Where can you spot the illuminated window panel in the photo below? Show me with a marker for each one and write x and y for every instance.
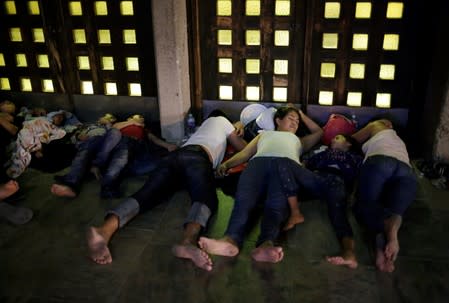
(252, 37)
(252, 66)
(363, 10)
(101, 8)
(75, 8)
(87, 88)
(332, 10)
(224, 37)
(327, 70)
(383, 100)
(225, 65)
(225, 92)
(4, 84)
(132, 63)
(42, 61)
(280, 94)
(83, 63)
(360, 41)
(107, 63)
(252, 93)
(47, 86)
(38, 35)
(10, 7)
(357, 71)
(354, 99)
(2, 60)
(253, 7)
(21, 60)
(79, 36)
(281, 38)
(104, 36)
(391, 42)
(110, 88)
(134, 89)
(325, 97)
(281, 67)
(386, 71)
(126, 8)
(282, 8)
(15, 34)
(394, 10)
(25, 85)
(129, 36)
(33, 8)
(330, 41)
(224, 8)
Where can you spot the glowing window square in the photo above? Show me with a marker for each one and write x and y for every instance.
(253, 7)
(354, 99)
(110, 88)
(134, 89)
(360, 41)
(129, 36)
(104, 36)
(383, 100)
(327, 70)
(25, 85)
(2, 60)
(357, 71)
(126, 8)
(224, 8)
(332, 10)
(281, 67)
(42, 61)
(252, 37)
(79, 36)
(21, 60)
(75, 8)
(280, 94)
(224, 37)
(363, 10)
(101, 8)
(15, 34)
(4, 84)
(282, 8)
(252, 66)
(252, 93)
(281, 37)
(325, 97)
(83, 63)
(330, 41)
(10, 7)
(225, 92)
(225, 65)
(87, 88)
(132, 63)
(386, 71)
(47, 86)
(395, 10)
(38, 35)
(391, 42)
(107, 63)
(33, 8)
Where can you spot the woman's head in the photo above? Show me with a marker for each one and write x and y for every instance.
(345, 143)
(138, 118)
(287, 118)
(7, 107)
(107, 119)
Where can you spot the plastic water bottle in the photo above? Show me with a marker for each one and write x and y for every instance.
(190, 125)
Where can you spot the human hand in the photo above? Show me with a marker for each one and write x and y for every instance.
(171, 147)
(221, 170)
(239, 129)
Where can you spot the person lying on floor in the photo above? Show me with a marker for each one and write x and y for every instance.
(191, 166)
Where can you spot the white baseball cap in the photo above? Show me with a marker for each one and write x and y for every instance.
(265, 119)
(251, 112)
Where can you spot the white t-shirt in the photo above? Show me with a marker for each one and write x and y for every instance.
(212, 135)
(386, 143)
(280, 144)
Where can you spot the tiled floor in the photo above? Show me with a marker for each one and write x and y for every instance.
(45, 260)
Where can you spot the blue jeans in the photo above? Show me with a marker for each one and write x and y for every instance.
(386, 187)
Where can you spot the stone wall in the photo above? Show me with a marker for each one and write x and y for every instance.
(441, 146)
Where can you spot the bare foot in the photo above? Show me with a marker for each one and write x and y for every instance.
(346, 260)
(272, 254)
(98, 247)
(293, 220)
(392, 225)
(8, 189)
(221, 247)
(62, 191)
(199, 257)
(382, 263)
(97, 173)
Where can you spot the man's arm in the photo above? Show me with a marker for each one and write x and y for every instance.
(241, 157)
(8, 126)
(161, 143)
(316, 132)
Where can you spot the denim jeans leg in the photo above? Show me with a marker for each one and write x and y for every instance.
(109, 141)
(78, 169)
(119, 159)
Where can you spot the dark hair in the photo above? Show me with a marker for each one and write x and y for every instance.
(283, 111)
(355, 145)
(218, 113)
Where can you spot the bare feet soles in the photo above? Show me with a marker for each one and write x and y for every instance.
(62, 191)
(345, 260)
(293, 220)
(384, 262)
(220, 247)
(199, 257)
(271, 254)
(7, 189)
(97, 246)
